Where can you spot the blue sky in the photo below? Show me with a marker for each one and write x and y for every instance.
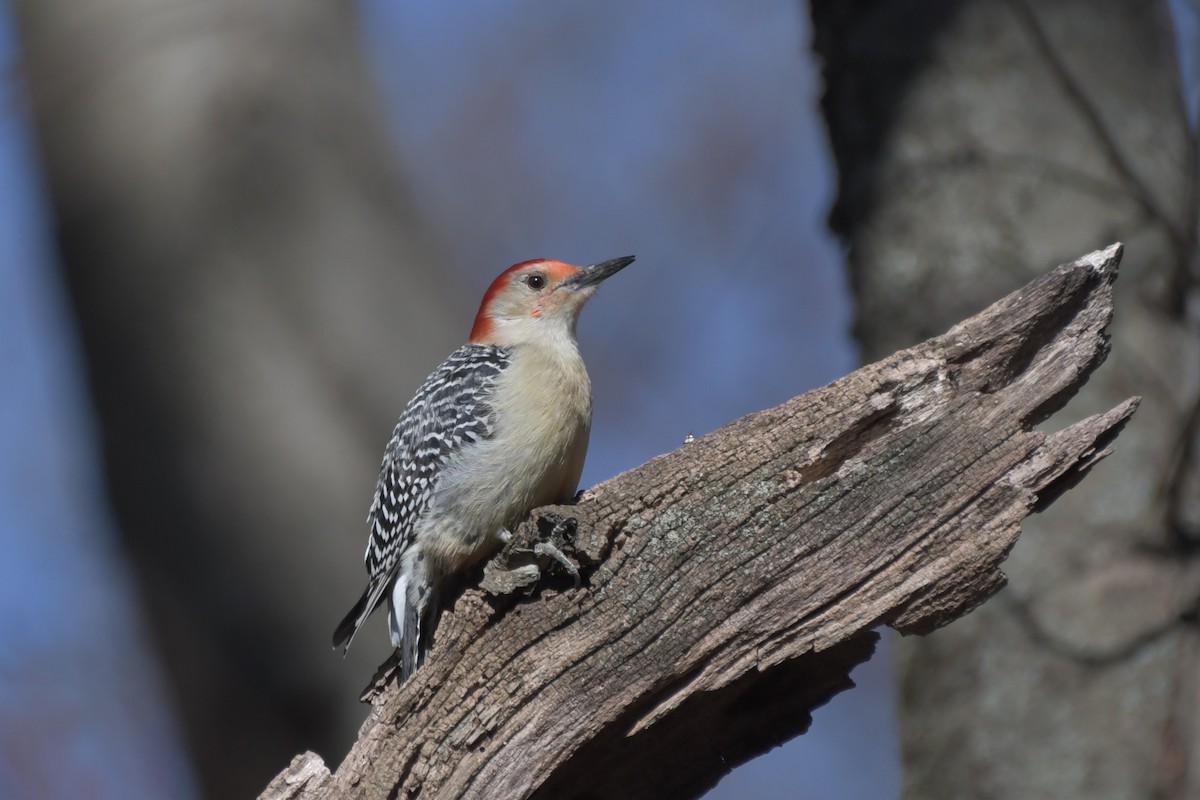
(684, 132)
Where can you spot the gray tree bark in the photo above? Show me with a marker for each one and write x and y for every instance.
(241, 260)
(730, 586)
(975, 138)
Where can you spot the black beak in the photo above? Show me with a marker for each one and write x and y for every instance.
(590, 276)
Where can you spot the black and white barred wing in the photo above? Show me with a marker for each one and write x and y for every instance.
(449, 412)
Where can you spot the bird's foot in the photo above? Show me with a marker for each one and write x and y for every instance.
(563, 531)
(549, 549)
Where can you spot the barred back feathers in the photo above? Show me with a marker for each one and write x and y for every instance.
(450, 412)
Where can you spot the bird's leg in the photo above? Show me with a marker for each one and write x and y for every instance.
(512, 570)
(548, 549)
(564, 530)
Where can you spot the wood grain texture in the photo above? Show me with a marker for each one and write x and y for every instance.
(730, 586)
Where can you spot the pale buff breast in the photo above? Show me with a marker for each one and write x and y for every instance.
(534, 458)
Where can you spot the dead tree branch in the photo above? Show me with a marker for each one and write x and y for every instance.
(731, 585)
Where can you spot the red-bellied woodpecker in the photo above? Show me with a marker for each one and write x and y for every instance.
(500, 428)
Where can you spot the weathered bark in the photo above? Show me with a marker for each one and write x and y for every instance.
(992, 136)
(732, 584)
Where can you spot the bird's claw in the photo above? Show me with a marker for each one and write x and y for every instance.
(564, 531)
(549, 549)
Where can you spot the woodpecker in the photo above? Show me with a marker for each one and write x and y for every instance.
(500, 428)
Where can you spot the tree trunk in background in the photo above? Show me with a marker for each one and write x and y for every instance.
(974, 138)
(230, 225)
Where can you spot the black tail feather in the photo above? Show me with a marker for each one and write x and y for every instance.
(349, 626)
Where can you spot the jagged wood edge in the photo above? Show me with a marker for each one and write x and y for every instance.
(733, 583)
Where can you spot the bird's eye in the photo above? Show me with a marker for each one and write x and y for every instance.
(535, 281)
